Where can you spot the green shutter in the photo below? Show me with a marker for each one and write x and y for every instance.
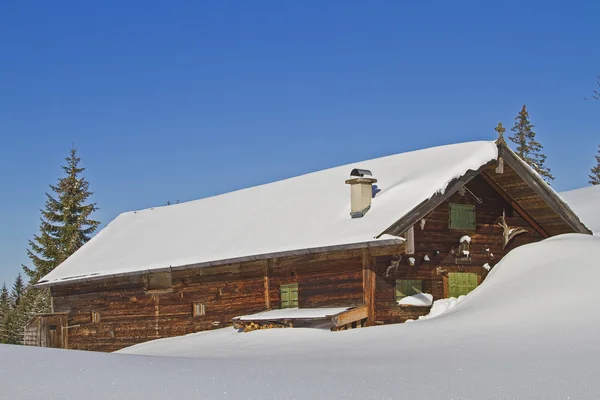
(289, 295)
(461, 283)
(462, 216)
(407, 287)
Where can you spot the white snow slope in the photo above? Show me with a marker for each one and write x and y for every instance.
(305, 212)
(527, 333)
(586, 203)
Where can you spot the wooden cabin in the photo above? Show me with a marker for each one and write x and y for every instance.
(355, 240)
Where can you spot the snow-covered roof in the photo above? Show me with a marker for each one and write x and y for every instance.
(310, 211)
(586, 203)
(294, 313)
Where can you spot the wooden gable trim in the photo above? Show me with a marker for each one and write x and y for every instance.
(541, 189)
(515, 205)
(426, 206)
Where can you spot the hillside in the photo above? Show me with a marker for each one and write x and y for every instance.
(586, 203)
(531, 331)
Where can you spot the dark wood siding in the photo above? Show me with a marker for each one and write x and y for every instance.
(131, 313)
(437, 236)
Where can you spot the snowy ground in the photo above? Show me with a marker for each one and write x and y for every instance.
(531, 331)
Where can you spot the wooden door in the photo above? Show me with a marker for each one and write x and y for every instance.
(461, 283)
(48, 330)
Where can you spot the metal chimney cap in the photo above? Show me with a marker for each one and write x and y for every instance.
(360, 172)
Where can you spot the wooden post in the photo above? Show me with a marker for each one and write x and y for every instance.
(446, 286)
(410, 240)
(267, 282)
(369, 284)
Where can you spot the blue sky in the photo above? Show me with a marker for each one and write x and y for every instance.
(183, 100)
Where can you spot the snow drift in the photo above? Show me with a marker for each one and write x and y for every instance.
(531, 331)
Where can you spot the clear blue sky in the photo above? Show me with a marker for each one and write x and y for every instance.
(182, 100)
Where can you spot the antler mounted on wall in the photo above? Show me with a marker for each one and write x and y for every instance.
(509, 233)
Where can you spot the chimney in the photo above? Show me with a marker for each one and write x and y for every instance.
(361, 191)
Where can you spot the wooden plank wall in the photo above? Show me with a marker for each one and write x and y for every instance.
(437, 236)
(131, 314)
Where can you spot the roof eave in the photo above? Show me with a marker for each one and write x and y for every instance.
(265, 256)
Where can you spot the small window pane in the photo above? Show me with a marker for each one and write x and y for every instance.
(462, 216)
(408, 287)
(289, 295)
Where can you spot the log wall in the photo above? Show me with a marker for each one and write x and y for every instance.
(130, 313)
(436, 236)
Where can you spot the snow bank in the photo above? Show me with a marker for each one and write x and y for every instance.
(586, 203)
(441, 306)
(419, 299)
(515, 337)
(308, 212)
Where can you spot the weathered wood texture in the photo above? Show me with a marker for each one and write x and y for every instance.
(131, 313)
(522, 191)
(436, 236)
(47, 330)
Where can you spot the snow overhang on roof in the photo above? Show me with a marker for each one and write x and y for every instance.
(284, 220)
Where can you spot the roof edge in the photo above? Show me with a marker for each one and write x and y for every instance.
(225, 261)
(542, 188)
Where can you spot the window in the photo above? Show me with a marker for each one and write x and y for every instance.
(289, 295)
(198, 309)
(408, 287)
(462, 216)
(460, 283)
(95, 316)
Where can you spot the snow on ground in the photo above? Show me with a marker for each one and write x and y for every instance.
(526, 333)
(586, 203)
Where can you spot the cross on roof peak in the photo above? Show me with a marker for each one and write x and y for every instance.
(500, 129)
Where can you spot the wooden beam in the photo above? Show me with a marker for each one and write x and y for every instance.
(347, 317)
(543, 190)
(409, 245)
(267, 283)
(369, 284)
(515, 205)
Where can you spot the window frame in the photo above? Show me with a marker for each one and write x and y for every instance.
(198, 309)
(94, 317)
(465, 277)
(462, 223)
(291, 300)
(409, 282)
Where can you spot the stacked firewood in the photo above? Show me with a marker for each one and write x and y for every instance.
(253, 326)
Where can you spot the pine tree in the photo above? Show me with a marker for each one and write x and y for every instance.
(5, 309)
(17, 290)
(595, 175)
(65, 222)
(33, 302)
(529, 149)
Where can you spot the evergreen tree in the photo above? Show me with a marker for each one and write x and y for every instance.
(33, 302)
(529, 149)
(5, 310)
(65, 222)
(595, 175)
(17, 290)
